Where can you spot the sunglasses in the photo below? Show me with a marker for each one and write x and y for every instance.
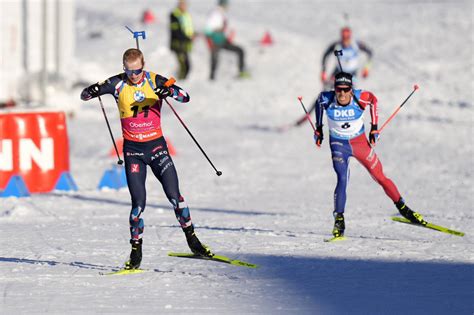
(135, 72)
(346, 89)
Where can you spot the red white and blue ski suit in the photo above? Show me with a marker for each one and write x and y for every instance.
(347, 138)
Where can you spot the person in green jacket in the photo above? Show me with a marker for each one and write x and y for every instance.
(181, 39)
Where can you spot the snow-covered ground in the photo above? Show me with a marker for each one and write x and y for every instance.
(272, 205)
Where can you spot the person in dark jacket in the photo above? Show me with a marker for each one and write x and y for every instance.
(181, 39)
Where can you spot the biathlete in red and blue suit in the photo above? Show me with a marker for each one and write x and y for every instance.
(344, 110)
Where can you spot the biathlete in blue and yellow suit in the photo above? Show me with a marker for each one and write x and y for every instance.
(344, 109)
(139, 95)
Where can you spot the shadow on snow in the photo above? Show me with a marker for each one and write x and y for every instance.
(314, 285)
(149, 204)
(77, 264)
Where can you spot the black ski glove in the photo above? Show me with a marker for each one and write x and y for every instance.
(92, 91)
(318, 135)
(374, 134)
(163, 92)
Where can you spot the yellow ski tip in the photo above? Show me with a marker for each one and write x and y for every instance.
(335, 239)
(124, 272)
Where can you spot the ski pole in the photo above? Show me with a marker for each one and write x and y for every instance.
(308, 117)
(120, 161)
(300, 98)
(338, 53)
(168, 83)
(415, 87)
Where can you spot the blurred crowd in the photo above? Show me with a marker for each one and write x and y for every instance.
(216, 33)
(219, 38)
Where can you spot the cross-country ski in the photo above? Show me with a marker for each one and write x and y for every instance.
(218, 258)
(430, 226)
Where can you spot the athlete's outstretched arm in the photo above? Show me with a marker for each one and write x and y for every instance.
(100, 88)
(319, 109)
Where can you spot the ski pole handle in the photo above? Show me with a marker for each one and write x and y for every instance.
(170, 82)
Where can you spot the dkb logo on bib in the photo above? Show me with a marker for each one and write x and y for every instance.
(344, 113)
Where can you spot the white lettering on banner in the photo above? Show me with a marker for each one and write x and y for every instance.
(344, 113)
(44, 157)
(6, 155)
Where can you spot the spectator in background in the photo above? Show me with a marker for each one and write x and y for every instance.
(350, 59)
(181, 39)
(217, 40)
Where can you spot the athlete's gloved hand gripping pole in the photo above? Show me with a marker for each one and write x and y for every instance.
(91, 92)
(120, 161)
(164, 93)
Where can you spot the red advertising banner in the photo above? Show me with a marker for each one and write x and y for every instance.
(35, 146)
